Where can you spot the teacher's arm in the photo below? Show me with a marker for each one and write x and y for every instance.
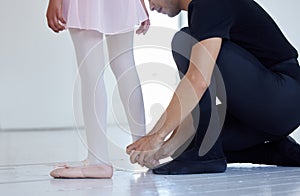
(185, 98)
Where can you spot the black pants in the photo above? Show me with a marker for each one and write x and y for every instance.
(261, 103)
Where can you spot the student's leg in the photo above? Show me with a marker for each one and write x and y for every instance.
(120, 49)
(90, 59)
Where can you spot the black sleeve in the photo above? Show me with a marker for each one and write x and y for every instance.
(209, 19)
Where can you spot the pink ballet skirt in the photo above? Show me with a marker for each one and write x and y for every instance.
(105, 16)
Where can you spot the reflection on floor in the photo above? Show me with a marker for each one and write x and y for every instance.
(23, 172)
(239, 179)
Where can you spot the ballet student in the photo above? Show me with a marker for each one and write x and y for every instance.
(89, 22)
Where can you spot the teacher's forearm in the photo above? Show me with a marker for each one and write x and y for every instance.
(186, 97)
(192, 86)
(183, 133)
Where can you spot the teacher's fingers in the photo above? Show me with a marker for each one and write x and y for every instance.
(130, 148)
(140, 159)
(134, 155)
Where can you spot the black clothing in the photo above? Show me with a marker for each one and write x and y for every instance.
(243, 22)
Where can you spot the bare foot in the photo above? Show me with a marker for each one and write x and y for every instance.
(88, 171)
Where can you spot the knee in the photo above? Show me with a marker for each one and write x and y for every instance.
(182, 44)
(180, 41)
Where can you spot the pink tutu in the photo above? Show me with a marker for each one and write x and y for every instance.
(105, 16)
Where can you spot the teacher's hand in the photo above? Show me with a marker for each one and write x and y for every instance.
(143, 150)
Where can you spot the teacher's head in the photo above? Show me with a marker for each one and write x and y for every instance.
(169, 7)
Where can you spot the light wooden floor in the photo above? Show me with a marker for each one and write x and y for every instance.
(27, 157)
(240, 179)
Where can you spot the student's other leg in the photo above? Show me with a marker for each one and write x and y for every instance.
(120, 47)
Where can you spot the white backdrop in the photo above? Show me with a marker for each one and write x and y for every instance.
(37, 72)
(37, 67)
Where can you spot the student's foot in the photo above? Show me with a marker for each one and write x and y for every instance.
(88, 171)
(85, 162)
(190, 163)
(285, 152)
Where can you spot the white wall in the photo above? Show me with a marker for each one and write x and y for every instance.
(37, 67)
(37, 72)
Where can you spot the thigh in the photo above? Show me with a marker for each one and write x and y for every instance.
(89, 50)
(182, 44)
(120, 51)
(257, 96)
(85, 42)
(238, 136)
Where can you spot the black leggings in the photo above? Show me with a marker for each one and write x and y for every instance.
(262, 103)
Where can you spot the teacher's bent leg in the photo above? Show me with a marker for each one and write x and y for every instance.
(204, 154)
(262, 108)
